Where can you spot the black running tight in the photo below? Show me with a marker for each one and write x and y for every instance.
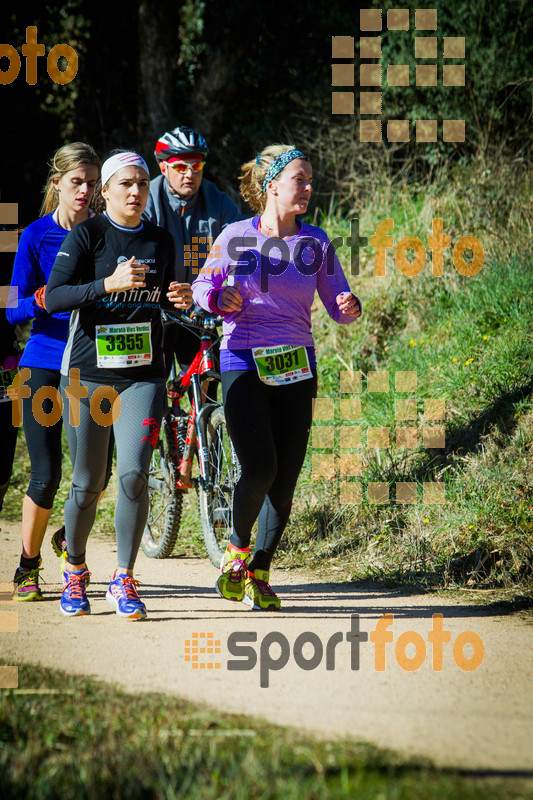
(269, 427)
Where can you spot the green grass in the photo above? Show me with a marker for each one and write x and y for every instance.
(470, 342)
(92, 741)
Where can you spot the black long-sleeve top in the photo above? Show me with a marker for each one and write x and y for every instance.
(119, 320)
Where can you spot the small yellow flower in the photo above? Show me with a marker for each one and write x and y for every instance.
(485, 336)
(425, 520)
(470, 527)
(412, 342)
(504, 319)
(454, 359)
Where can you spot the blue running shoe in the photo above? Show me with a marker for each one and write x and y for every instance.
(122, 594)
(74, 601)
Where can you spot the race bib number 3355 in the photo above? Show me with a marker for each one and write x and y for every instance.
(120, 346)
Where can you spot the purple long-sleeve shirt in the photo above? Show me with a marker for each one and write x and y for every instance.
(277, 292)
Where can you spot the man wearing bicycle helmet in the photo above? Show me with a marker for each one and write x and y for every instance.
(191, 209)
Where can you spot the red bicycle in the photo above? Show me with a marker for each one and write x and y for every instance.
(198, 435)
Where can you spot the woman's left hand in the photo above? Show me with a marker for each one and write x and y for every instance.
(180, 294)
(349, 304)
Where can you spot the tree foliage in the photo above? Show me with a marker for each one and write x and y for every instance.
(245, 77)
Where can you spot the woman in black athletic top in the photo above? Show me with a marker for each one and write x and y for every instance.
(115, 272)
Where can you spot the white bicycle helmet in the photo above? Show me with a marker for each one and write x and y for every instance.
(179, 141)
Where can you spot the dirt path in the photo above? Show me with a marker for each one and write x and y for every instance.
(479, 719)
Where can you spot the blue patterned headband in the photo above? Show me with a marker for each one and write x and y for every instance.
(279, 163)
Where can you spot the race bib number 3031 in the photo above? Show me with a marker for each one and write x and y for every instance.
(277, 366)
(120, 346)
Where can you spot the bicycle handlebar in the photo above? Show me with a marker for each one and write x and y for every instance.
(193, 318)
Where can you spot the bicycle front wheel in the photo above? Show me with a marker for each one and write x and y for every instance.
(164, 505)
(216, 491)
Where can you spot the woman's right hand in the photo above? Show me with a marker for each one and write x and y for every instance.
(230, 299)
(128, 275)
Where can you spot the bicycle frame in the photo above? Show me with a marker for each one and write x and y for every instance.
(200, 430)
(200, 372)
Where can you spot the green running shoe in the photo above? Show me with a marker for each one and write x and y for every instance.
(27, 584)
(233, 572)
(258, 593)
(59, 543)
(59, 546)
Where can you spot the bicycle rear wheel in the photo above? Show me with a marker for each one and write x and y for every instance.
(164, 505)
(216, 493)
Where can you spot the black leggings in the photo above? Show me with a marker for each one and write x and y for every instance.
(269, 427)
(7, 451)
(44, 443)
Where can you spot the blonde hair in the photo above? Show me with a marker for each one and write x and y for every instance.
(253, 174)
(64, 160)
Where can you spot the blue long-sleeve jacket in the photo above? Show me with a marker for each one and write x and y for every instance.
(37, 250)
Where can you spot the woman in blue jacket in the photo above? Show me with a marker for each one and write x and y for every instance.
(74, 172)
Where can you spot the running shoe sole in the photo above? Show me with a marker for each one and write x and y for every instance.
(247, 600)
(224, 597)
(136, 615)
(59, 551)
(25, 598)
(78, 613)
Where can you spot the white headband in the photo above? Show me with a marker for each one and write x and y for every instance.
(119, 160)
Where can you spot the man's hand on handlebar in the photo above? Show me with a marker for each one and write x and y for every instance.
(180, 294)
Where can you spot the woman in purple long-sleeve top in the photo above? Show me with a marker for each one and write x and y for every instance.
(262, 277)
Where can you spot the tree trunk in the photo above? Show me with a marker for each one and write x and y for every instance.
(158, 25)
